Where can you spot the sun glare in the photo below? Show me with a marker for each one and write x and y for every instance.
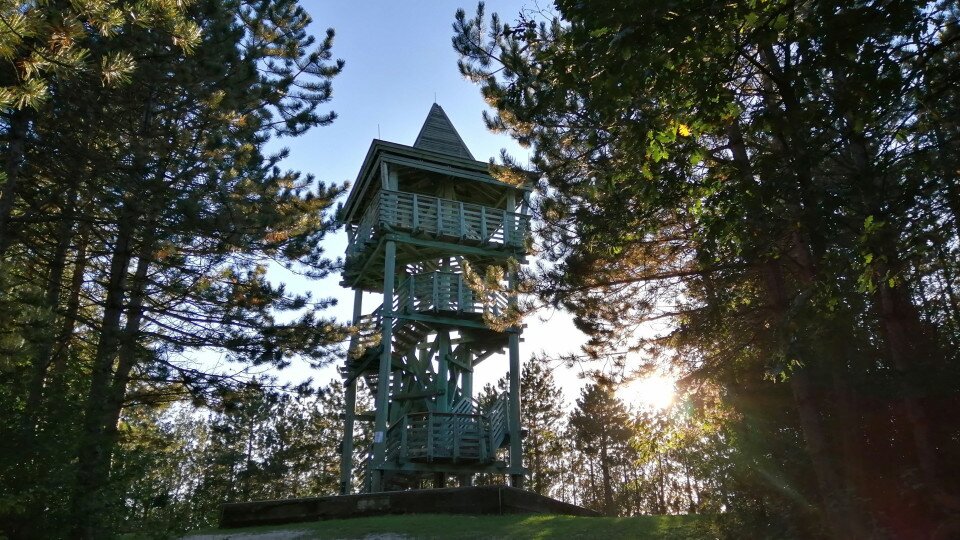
(652, 392)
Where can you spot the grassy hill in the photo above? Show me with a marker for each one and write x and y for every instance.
(452, 526)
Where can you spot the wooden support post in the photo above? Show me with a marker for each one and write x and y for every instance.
(456, 437)
(443, 400)
(386, 356)
(397, 388)
(508, 219)
(430, 429)
(467, 377)
(507, 225)
(346, 457)
(411, 291)
(516, 445)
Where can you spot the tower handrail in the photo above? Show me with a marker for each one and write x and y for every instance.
(441, 218)
(366, 228)
(443, 290)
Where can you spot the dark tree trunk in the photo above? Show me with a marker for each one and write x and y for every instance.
(835, 505)
(94, 453)
(607, 481)
(72, 310)
(54, 287)
(16, 151)
(130, 344)
(909, 349)
(840, 519)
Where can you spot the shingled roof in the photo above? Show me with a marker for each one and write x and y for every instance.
(439, 135)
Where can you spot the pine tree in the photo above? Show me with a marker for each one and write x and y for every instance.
(601, 429)
(755, 176)
(541, 418)
(151, 214)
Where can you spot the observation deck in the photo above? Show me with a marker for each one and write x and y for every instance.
(432, 224)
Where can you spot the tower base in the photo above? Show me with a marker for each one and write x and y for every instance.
(489, 500)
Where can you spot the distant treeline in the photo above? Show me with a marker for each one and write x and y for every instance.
(181, 463)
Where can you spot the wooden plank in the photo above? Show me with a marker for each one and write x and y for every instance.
(418, 394)
(416, 213)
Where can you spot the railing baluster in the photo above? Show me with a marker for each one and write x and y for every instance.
(439, 217)
(456, 437)
(506, 229)
(405, 210)
(430, 451)
(416, 213)
(483, 224)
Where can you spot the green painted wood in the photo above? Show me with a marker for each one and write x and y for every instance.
(439, 135)
(414, 218)
(382, 404)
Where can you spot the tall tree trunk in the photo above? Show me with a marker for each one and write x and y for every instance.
(93, 455)
(908, 347)
(72, 309)
(54, 287)
(840, 518)
(607, 481)
(130, 343)
(849, 426)
(908, 343)
(16, 152)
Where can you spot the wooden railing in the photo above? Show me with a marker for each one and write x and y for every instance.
(439, 218)
(446, 291)
(498, 417)
(445, 436)
(430, 292)
(366, 474)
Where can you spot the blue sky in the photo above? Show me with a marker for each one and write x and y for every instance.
(398, 58)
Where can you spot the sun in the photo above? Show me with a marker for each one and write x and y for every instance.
(651, 392)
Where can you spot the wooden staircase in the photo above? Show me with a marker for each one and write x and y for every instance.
(463, 435)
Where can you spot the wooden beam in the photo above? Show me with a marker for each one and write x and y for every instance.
(445, 321)
(499, 254)
(386, 354)
(418, 394)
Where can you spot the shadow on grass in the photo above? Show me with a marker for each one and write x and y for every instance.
(462, 527)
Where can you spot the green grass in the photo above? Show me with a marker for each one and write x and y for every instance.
(519, 526)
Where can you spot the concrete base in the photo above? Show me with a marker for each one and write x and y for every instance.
(492, 500)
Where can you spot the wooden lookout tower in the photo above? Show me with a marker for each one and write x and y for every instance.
(415, 216)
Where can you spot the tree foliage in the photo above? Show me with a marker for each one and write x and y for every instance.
(773, 184)
(140, 214)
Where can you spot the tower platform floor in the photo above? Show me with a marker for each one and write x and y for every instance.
(488, 500)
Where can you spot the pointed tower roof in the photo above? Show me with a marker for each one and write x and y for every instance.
(439, 135)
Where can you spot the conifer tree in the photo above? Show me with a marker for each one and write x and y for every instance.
(145, 231)
(542, 419)
(756, 176)
(601, 429)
